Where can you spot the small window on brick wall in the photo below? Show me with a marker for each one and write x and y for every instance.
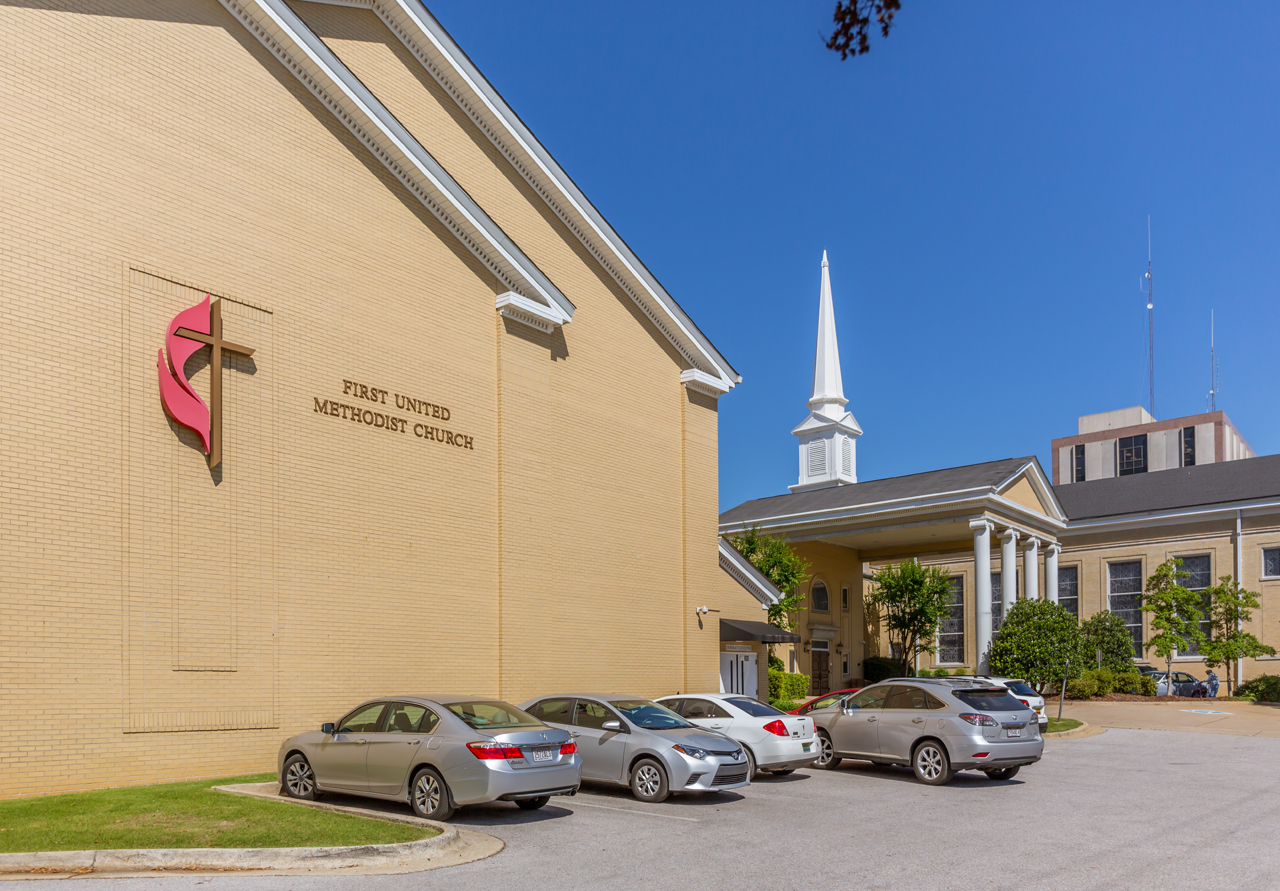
(1271, 562)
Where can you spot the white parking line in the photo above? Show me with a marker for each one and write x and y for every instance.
(627, 810)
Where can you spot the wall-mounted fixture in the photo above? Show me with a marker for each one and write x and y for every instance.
(839, 648)
(703, 610)
(806, 646)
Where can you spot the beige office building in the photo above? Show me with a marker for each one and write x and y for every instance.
(457, 437)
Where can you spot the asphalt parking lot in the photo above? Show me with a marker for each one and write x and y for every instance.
(1140, 809)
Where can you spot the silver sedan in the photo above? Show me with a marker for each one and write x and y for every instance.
(631, 741)
(437, 753)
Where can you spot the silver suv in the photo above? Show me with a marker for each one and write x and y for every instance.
(936, 726)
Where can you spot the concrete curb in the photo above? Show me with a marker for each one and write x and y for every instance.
(1085, 729)
(451, 847)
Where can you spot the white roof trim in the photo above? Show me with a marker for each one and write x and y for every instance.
(528, 312)
(1041, 484)
(746, 575)
(427, 39)
(1189, 514)
(307, 56)
(703, 382)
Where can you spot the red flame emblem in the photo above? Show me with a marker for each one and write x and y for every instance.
(180, 400)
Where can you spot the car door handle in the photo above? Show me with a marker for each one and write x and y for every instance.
(917, 720)
(361, 742)
(574, 735)
(414, 742)
(716, 726)
(872, 718)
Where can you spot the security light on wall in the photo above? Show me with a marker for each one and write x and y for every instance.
(703, 610)
(806, 646)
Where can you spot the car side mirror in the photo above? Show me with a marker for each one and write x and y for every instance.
(847, 710)
(327, 729)
(613, 727)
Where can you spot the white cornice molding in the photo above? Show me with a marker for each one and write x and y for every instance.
(1193, 514)
(521, 309)
(282, 32)
(1040, 483)
(701, 382)
(431, 44)
(746, 575)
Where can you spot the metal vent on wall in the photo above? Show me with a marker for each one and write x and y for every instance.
(846, 457)
(817, 458)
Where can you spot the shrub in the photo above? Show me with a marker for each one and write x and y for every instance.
(1104, 679)
(941, 673)
(1148, 686)
(784, 705)
(783, 685)
(1035, 642)
(1082, 688)
(1128, 682)
(1265, 688)
(877, 668)
(1107, 632)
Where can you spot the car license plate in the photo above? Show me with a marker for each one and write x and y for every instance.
(1014, 731)
(542, 755)
(806, 746)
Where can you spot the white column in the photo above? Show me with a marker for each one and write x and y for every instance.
(1031, 568)
(982, 530)
(1051, 572)
(1008, 568)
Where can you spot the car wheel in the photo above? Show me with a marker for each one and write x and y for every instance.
(827, 758)
(784, 772)
(299, 779)
(931, 764)
(532, 804)
(1002, 773)
(429, 796)
(649, 781)
(751, 763)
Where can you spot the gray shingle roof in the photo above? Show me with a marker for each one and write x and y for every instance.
(934, 482)
(1206, 484)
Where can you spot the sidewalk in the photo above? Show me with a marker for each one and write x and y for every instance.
(1240, 718)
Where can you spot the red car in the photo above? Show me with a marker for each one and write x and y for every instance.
(823, 701)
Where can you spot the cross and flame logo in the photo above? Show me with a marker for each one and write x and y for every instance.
(192, 330)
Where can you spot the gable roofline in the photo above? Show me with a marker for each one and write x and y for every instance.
(423, 35)
(745, 574)
(1040, 483)
(284, 33)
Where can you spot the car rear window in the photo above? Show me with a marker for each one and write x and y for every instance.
(753, 707)
(492, 715)
(996, 699)
(1021, 689)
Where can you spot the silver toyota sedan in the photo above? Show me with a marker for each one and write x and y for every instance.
(631, 741)
(935, 726)
(437, 753)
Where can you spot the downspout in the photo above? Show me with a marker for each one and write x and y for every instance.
(1239, 580)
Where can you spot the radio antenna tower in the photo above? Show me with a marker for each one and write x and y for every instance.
(1213, 369)
(1151, 324)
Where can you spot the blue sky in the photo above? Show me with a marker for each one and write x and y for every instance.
(981, 182)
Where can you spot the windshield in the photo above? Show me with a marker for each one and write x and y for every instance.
(1021, 689)
(649, 715)
(993, 700)
(493, 715)
(753, 707)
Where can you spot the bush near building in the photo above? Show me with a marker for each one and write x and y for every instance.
(1101, 681)
(787, 687)
(877, 668)
(1265, 688)
(1106, 631)
(1036, 639)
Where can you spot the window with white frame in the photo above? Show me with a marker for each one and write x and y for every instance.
(844, 598)
(951, 631)
(794, 662)
(1270, 562)
(1200, 578)
(997, 601)
(819, 599)
(1124, 598)
(1069, 589)
(846, 665)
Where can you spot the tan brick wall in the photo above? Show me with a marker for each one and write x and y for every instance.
(159, 621)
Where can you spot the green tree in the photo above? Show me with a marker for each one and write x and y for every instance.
(1035, 642)
(1175, 614)
(1230, 608)
(1107, 632)
(783, 567)
(912, 600)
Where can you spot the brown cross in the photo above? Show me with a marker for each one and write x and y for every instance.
(219, 346)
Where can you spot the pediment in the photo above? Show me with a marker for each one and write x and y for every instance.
(1029, 489)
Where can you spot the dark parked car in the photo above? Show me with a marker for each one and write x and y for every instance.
(1183, 684)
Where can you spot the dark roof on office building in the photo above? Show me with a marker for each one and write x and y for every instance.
(1207, 484)
(987, 475)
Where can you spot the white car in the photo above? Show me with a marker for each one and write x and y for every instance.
(774, 741)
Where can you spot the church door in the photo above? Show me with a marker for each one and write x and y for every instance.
(819, 669)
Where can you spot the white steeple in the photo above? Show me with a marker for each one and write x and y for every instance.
(828, 436)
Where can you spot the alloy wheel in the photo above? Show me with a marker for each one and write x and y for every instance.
(300, 779)
(825, 751)
(929, 763)
(648, 780)
(426, 794)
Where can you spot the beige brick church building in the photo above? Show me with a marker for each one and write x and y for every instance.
(323, 380)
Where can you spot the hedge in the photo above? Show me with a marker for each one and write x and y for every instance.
(1264, 688)
(783, 685)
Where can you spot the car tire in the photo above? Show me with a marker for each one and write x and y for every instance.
(1003, 773)
(532, 804)
(649, 781)
(429, 796)
(786, 771)
(299, 779)
(827, 758)
(751, 763)
(930, 763)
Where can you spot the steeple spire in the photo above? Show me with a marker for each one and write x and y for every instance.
(828, 390)
(828, 436)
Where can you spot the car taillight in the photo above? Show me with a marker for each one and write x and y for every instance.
(569, 748)
(981, 754)
(980, 720)
(1024, 702)
(777, 728)
(494, 751)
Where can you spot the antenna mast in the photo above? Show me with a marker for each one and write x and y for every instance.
(1213, 369)
(1151, 324)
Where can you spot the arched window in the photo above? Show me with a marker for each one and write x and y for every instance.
(820, 601)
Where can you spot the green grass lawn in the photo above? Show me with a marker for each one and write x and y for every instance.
(1060, 726)
(184, 815)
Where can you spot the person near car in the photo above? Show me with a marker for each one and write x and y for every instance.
(1211, 681)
